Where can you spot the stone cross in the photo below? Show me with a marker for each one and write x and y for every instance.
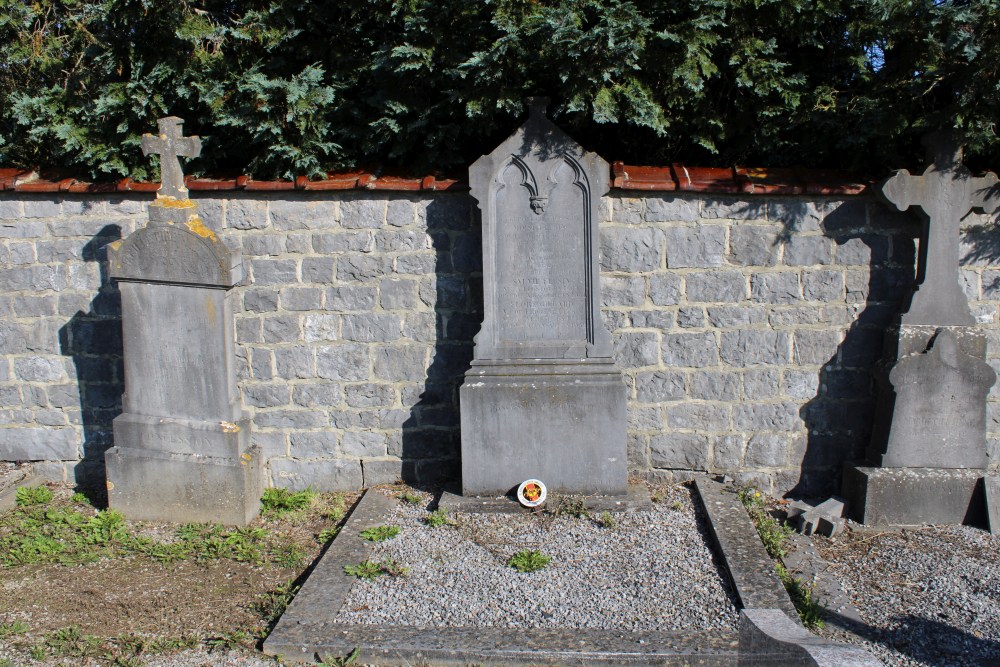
(170, 145)
(944, 194)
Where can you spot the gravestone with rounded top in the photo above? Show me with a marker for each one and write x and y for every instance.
(182, 443)
(543, 398)
(929, 442)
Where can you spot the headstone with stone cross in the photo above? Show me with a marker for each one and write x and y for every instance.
(544, 399)
(929, 443)
(182, 443)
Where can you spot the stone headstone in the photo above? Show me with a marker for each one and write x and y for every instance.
(993, 503)
(182, 443)
(544, 398)
(929, 440)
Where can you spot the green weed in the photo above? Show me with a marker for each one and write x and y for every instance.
(438, 518)
(32, 495)
(326, 535)
(272, 605)
(72, 643)
(5, 662)
(342, 661)
(774, 535)
(410, 498)
(79, 499)
(574, 507)
(38, 652)
(606, 520)
(380, 533)
(230, 641)
(369, 569)
(276, 502)
(529, 560)
(803, 597)
(290, 556)
(17, 627)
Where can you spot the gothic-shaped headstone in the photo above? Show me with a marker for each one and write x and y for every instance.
(543, 398)
(182, 444)
(929, 441)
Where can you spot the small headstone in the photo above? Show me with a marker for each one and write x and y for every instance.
(182, 443)
(930, 432)
(993, 503)
(544, 398)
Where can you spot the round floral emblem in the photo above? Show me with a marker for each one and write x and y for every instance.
(531, 493)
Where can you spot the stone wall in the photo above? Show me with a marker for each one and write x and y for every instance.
(747, 329)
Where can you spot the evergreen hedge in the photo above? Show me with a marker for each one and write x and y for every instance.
(278, 88)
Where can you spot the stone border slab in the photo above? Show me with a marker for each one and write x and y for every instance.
(8, 495)
(769, 634)
(636, 499)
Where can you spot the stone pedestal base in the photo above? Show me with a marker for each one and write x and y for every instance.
(914, 496)
(178, 471)
(561, 423)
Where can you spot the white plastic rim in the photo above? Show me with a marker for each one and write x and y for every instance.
(531, 493)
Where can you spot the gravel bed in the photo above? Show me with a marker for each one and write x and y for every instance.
(927, 596)
(652, 571)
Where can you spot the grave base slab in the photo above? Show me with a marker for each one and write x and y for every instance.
(914, 496)
(182, 486)
(563, 425)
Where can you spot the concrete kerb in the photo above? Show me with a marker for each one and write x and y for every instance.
(8, 494)
(769, 633)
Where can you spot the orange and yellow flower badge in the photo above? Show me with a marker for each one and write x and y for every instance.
(531, 493)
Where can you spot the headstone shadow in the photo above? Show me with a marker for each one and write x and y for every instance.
(839, 418)
(430, 435)
(94, 340)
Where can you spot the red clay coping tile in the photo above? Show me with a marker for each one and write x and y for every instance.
(673, 178)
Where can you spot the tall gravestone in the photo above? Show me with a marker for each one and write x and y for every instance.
(928, 450)
(182, 444)
(543, 398)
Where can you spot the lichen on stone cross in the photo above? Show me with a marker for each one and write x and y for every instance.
(171, 145)
(944, 194)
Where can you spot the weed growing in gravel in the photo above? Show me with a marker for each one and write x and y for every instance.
(606, 520)
(5, 662)
(32, 495)
(410, 498)
(17, 627)
(380, 533)
(38, 653)
(72, 643)
(570, 506)
(231, 640)
(529, 560)
(678, 505)
(326, 535)
(341, 661)
(438, 518)
(369, 569)
(276, 502)
(272, 605)
(80, 499)
(774, 535)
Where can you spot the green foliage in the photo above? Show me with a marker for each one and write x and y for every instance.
(342, 661)
(72, 643)
(32, 495)
(17, 627)
(326, 535)
(277, 502)
(369, 569)
(285, 88)
(803, 597)
(79, 499)
(380, 533)
(438, 518)
(529, 560)
(774, 535)
(574, 507)
(410, 498)
(606, 520)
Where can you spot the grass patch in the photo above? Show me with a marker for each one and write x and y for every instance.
(369, 569)
(606, 520)
(380, 533)
(574, 507)
(529, 560)
(26, 496)
(17, 627)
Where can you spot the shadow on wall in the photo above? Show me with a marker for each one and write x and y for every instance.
(840, 417)
(430, 435)
(94, 340)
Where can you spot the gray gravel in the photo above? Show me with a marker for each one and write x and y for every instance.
(928, 596)
(653, 571)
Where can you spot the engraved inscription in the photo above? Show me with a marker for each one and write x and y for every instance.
(165, 253)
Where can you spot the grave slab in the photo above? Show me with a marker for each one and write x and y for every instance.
(544, 398)
(182, 447)
(914, 496)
